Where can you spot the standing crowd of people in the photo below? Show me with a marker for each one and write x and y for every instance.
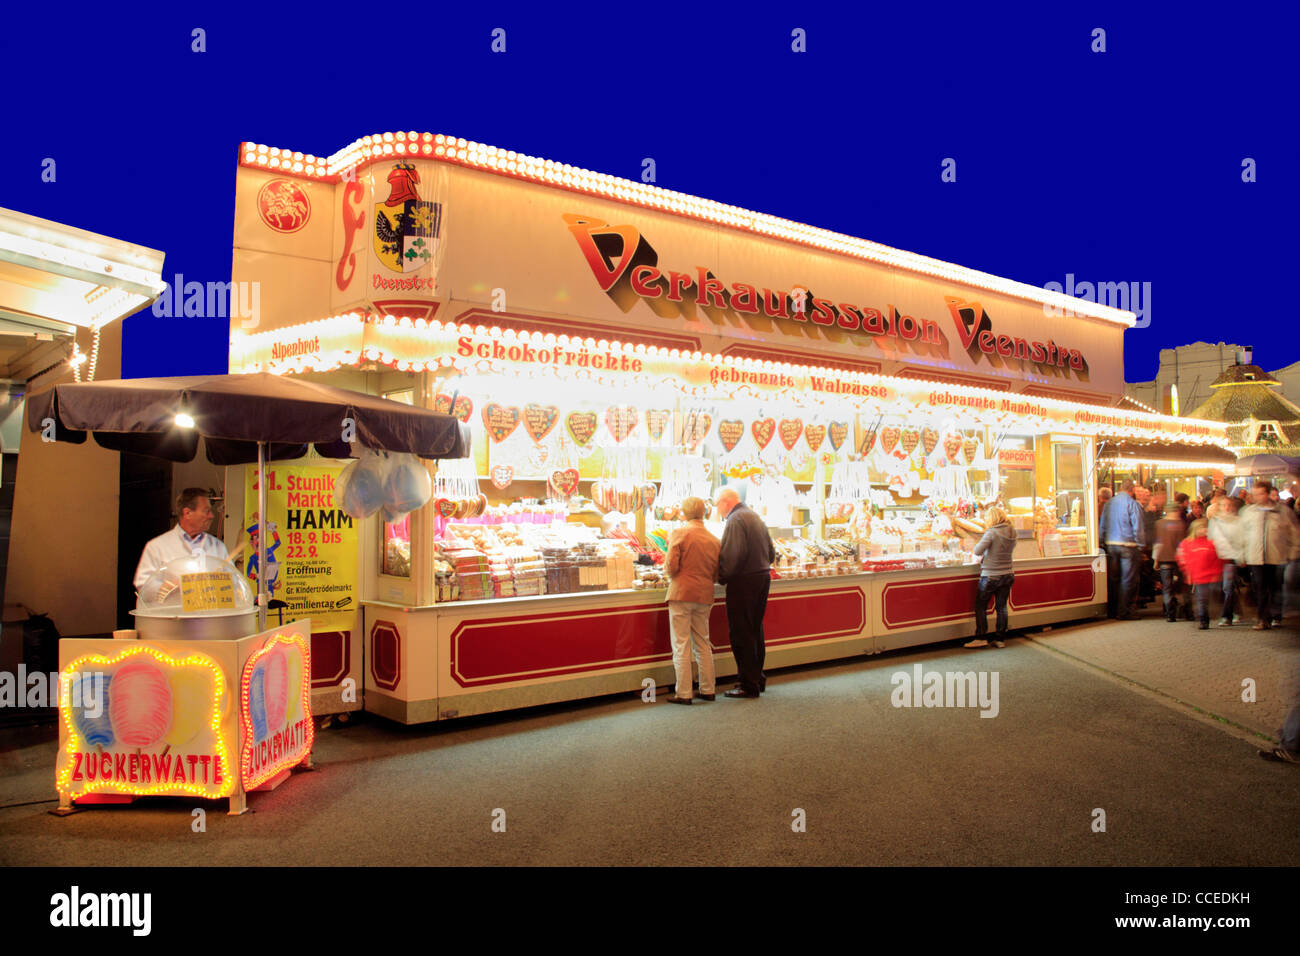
(1197, 547)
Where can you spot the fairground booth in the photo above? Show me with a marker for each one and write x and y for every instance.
(614, 347)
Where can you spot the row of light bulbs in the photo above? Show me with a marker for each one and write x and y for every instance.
(550, 339)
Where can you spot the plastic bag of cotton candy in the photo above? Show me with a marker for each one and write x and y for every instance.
(383, 483)
(359, 488)
(407, 486)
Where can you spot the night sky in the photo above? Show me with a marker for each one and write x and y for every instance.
(1123, 166)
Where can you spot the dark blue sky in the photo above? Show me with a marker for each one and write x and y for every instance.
(1122, 166)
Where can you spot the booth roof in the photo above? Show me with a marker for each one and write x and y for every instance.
(548, 173)
(1157, 452)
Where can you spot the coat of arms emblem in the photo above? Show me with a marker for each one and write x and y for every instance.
(407, 228)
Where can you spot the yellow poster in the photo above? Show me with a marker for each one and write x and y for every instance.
(312, 544)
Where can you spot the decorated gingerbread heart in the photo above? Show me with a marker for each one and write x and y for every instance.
(462, 409)
(621, 419)
(655, 421)
(952, 446)
(889, 438)
(763, 430)
(502, 475)
(581, 426)
(540, 419)
(648, 494)
(838, 431)
(909, 439)
(815, 435)
(790, 430)
(969, 450)
(446, 507)
(730, 431)
(500, 420)
(868, 442)
(929, 439)
(564, 481)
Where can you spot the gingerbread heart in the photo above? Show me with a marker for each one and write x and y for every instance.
(502, 475)
(500, 420)
(929, 439)
(730, 431)
(699, 429)
(763, 431)
(815, 434)
(655, 420)
(910, 438)
(446, 507)
(581, 425)
(790, 430)
(838, 431)
(889, 438)
(462, 409)
(621, 419)
(648, 495)
(564, 481)
(952, 445)
(540, 419)
(969, 449)
(868, 442)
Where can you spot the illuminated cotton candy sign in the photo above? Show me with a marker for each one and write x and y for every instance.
(155, 728)
(275, 702)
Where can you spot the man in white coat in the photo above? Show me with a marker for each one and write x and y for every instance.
(1270, 540)
(190, 536)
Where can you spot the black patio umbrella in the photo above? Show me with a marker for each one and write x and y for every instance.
(242, 419)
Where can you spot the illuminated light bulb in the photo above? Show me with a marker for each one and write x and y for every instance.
(184, 420)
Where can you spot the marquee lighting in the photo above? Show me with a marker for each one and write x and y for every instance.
(97, 662)
(487, 158)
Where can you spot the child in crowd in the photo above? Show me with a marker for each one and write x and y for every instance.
(1202, 568)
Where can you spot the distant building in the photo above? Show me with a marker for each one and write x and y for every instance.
(1193, 368)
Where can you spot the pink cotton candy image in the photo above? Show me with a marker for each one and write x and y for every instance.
(141, 705)
(277, 689)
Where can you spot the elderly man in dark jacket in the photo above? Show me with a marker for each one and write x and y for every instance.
(745, 567)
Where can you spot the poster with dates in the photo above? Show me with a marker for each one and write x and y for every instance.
(312, 544)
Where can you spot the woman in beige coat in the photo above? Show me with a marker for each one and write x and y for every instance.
(692, 567)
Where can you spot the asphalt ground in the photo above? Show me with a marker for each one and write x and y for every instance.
(618, 781)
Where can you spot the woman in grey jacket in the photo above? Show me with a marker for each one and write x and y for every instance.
(995, 548)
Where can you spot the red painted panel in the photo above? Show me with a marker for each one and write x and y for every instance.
(938, 600)
(385, 655)
(928, 601)
(497, 650)
(331, 657)
(1052, 587)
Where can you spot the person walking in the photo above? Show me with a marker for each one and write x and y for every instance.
(1123, 532)
(1225, 533)
(1170, 532)
(1270, 540)
(692, 567)
(745, 567)
(994, 549)
(1201, 566)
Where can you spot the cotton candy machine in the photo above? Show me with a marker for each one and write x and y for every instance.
(198, 597)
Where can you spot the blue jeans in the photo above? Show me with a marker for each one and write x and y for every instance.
(1202, 595)
(998, 588)
(1171, 583)
(1290, 732)
(1122, 567)
(1229, 590)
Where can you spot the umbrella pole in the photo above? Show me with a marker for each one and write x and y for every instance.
(261, 536)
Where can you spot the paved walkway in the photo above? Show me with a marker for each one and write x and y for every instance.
(1211, 671)
(616, 781)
